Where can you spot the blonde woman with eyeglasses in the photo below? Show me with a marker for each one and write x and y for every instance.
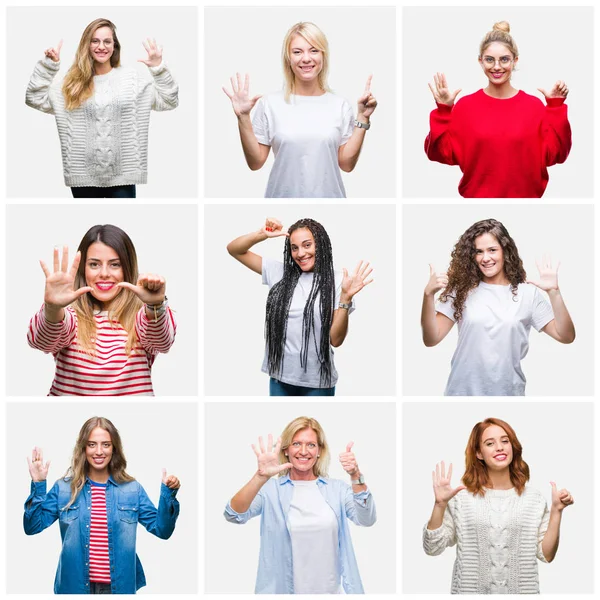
(102, 111)
(313, 132)
(502, 139)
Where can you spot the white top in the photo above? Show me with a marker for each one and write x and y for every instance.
(314, 531)
(493, 338)
(305, 136)
(498, 538)
(292, 372)
(104, 142)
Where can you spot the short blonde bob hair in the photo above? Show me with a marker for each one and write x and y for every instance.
(316, 38)
(321, 467)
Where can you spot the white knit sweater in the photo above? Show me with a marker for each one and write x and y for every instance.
(104, 142)
(498, 538)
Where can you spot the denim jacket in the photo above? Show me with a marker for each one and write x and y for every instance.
(127, 504)
(275, 566)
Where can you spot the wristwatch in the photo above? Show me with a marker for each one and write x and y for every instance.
(361, 125)
(359, 481)
(344, 305)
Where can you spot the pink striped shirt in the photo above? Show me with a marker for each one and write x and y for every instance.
(99, 561)
(110, 371)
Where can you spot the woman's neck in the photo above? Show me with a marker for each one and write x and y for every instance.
(302, 475)
(498, 279)
(307, 88)
(503, 91)
(102, 68)
(500, 480)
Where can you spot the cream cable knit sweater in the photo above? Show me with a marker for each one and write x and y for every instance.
(498, 538)
(104, 142)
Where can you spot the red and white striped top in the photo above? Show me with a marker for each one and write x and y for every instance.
(99, 561)
(110, 372)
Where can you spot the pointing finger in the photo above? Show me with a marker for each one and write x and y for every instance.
(349, 446)
(368, 86)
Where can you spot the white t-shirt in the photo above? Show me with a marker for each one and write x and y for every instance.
(493, 338)
(315, 544)
(305, 136)
(292, 372)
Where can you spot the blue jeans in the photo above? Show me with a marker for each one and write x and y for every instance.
(99, 588)
(115, 191)
(278, 388)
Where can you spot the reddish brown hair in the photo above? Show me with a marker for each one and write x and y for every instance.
(476, 476)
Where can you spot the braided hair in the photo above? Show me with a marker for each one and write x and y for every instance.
(280, 299)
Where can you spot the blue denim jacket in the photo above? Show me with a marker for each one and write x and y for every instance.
(127, 504)
(275, 571)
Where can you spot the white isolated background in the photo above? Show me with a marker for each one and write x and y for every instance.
(249, 40)
(235, 297)
(168, 247)
(557, 440)
(34, 160)
(554, 43)
(154, 435)
(233, 549)
(565, 232)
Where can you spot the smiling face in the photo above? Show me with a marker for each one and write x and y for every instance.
(303, 249)
(303, 453)
(306, 60)
(98, 453)
(102, 45)
(498, 63)
(495, 448)
(103, 270)
(489, 257)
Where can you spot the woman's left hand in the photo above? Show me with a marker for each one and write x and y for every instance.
(352, 284)
(154, 53)
(348, 460)
(170, 480)
(560, 90)
(367, 102)
(548, 275)
(560, 498)
(150, 288)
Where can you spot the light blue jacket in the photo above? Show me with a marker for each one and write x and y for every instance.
(127, 504)
(275, 572)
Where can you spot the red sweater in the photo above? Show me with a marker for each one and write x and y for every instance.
(502, 146)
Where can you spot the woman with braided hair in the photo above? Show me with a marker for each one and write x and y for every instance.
(307, 307)
(486, 291)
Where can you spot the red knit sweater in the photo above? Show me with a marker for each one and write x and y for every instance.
(502, 146)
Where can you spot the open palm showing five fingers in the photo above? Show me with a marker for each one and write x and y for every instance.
(352, 284)
(548, 279)
(154, 53)
(240, 98)
(268, 458)
(59, 291)
(442, 488)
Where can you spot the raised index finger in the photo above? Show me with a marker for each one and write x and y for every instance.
(59, 46)
(368, 86)
(349, 446)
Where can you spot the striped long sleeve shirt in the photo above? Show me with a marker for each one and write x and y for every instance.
(110, 371)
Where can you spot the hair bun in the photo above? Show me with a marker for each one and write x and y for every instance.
(501, 26)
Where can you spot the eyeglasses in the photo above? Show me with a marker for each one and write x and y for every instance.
(107, 43)
(503, 61)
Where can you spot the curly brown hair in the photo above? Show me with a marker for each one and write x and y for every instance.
(464, 274)
(476, 476)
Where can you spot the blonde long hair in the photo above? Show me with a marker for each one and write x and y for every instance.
(316, 38)
(125, 306)
(78, 471)
(321, 467)
(78, 84)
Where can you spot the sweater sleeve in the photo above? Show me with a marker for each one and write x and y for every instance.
(542, 532)
(556, 132)
(435, 541)
(156, 336)
(165, 91)
(38, 91)
(438, 144)
(52, 337)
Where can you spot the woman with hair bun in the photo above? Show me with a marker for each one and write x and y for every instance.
(313, 132)
(307, 307)
(102, 111)
(486, 291)
(98, 505)
(502, 139)
(305, 545)
(103, 322)
(500, 525)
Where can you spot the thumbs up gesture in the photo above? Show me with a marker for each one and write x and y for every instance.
(560, 498)
(348, 460)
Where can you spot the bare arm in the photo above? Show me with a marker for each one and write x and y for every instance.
(560, 500)
(243, 499)
(435, 326)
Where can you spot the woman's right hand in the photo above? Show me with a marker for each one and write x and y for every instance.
(37, 469)
(59, 290)
(54, 53)
(441, 92)
(268, 458)
(273, 228)
(442, 489)
(437, 282)
(240, 96)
